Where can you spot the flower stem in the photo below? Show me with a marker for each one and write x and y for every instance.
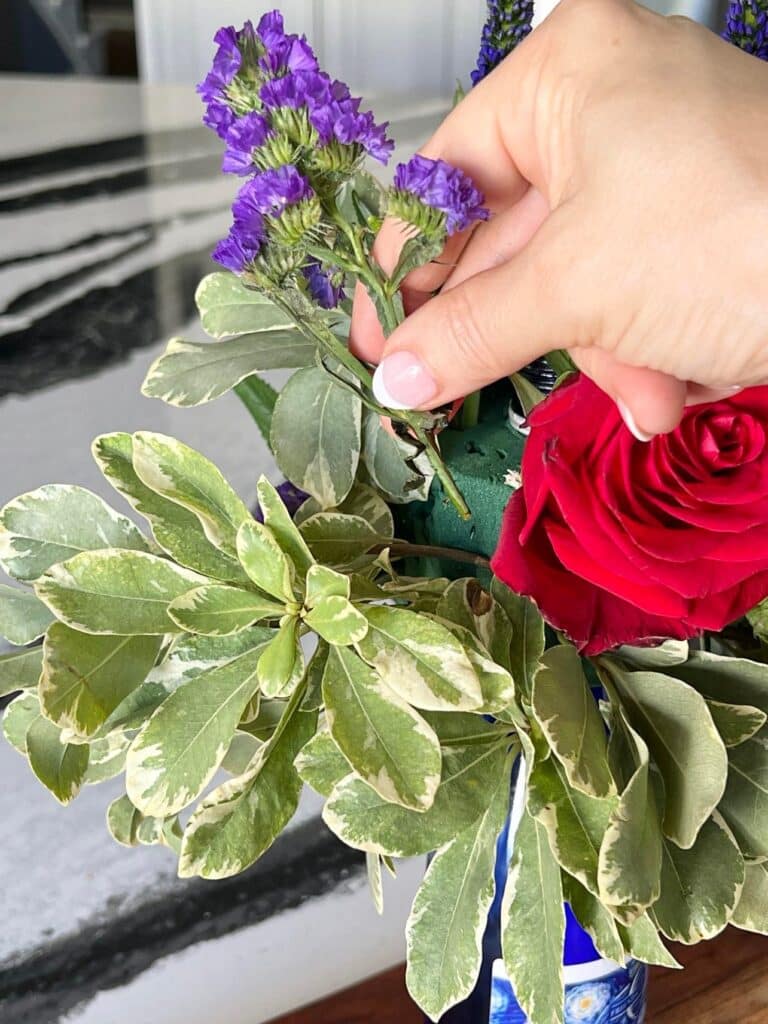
(404, 549)
(470, 410)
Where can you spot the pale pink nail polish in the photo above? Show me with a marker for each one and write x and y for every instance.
(631, 423)
(402, 381)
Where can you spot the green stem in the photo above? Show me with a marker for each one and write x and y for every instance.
(404, 549)
(470, 410)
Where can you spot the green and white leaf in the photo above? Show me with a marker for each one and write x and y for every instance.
(676, 723)
(533, 925)
(23, 616)
(61, 767)
(241, 819)
(85, 677)
(361, 819)
(751, 913)
(729, 680)
(321, 764)
(176, 754)
(388, 744)
(745, 802)
(421, 660)
(393, 466)
(594, 919)
(337, 539)
(700, 886)
(227, 307)
(375, 881)
(527, 642)
(469, 605)
(642, 941)
(263, 559)
(220, 610)
(736, 723)
(118, 592)
(282, 666)
(278, 521)
(107, 756)
(182, 475)
(316, 435)
(445, 929)
(18, 717)
(56, 522)
(362, 501)
(567, 712)
(337, 621)
(191, 373)
(20, 670)
(189, 655)
(177, 530)
(323, 582)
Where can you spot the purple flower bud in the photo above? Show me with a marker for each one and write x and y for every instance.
(747, 26)
(271, 28)
(270, 192)
(507, 24)
(245, 135)
(290, 53)
(444, 188)
(238, 249)
(299, 89)
(219, 117)
(321, 286)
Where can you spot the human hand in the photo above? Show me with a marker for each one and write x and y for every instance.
(625, 159)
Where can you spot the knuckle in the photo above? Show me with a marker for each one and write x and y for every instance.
(469, 344)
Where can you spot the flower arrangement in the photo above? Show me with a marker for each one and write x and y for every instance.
(291, 646)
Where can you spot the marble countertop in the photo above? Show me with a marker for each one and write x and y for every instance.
(111, 199)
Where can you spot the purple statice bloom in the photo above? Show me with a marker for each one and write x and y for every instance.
(271, 28)
(321, 286)
(292, 497)
(219, 117)
(507, 24)
(443, 187)
(312, 89)
(239, 248)
(290, 53)
(245, 135)
(747, 26)
(226, 64)
(270, 192)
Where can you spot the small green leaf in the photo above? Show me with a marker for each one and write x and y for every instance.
(362, 501)
(751, 913)
(278, 521)
(120, 592)
(18, 717)
(23, 616)
(567, 713)
(259, 398)
(61, 767)
(533, 925)
(700, 886)
(337, 621)
(361, 819)
(313, 699)
(393, 465)
(496, 684)
(642, 941)
(387, 743)
(745, 802)
(675, 722)
(263, 559)
(182, 475)
(316, 435)
(323, 582)
(420, 660)
(20, 670)
(468, 604)
(527, 642)
(107, 757)
(242, 750)
(321, 764)
(576, 823)
(450, 912)
(338, 539)
(191, 373)
(122, 821)
(189, 655)
(176, 754)
(220, 610)
(177, 530)
(594, 919)
(729, 680)
(281, 666)
(736, 723)
(241, 819)
(56, 522)
(85, 677)
(228, 307)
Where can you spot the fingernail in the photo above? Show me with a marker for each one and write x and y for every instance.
(402, 381)
(632, 426)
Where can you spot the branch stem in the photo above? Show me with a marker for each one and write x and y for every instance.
(404, 549)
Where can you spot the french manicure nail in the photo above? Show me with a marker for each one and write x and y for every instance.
(631, 423)
(402, 381)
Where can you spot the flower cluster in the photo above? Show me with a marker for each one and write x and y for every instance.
(747, 26)
(508, 23)
(435, 197)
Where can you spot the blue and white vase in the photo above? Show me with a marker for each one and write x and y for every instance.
(597, 991)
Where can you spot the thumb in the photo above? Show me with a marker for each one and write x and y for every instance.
(486, 327)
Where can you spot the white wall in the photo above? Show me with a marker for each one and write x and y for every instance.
(393, 46)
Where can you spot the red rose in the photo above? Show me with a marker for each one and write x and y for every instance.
(618, 541)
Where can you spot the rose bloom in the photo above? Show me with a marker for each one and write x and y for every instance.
(618, 541)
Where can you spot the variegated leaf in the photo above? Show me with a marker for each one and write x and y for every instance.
(220, 610)
(337, 539)
(388, 744)
(736, 723)
(20, 670)
(469, 605)
(278, 521)
(118, 592)
(393, 464)
(337, 621)
(745, 802)
(61, 767)
(228, 307)
(282, 667)
(527, 642)
(375, 882)
(362, 501)
(321, 764)
(23, 616)
(324, 582)
(263, 559)
(18, 717)
(593, 917)
(642, 941)
(56, 522)
(751, 913)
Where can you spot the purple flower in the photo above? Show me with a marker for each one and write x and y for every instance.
(271, 27)
(321, 286)
(292, 497)
(270, 192)
(244, 135)
(226, 64)
(747, 26)
(507, 24)
(219, 117)
(444, 188)
(239, 248)
(290, 53)
(299, 89)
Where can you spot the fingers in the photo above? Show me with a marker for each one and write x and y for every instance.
(487, 326)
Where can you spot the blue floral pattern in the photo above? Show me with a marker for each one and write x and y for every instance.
(618, 998)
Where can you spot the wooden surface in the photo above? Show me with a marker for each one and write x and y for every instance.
(724, 982)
